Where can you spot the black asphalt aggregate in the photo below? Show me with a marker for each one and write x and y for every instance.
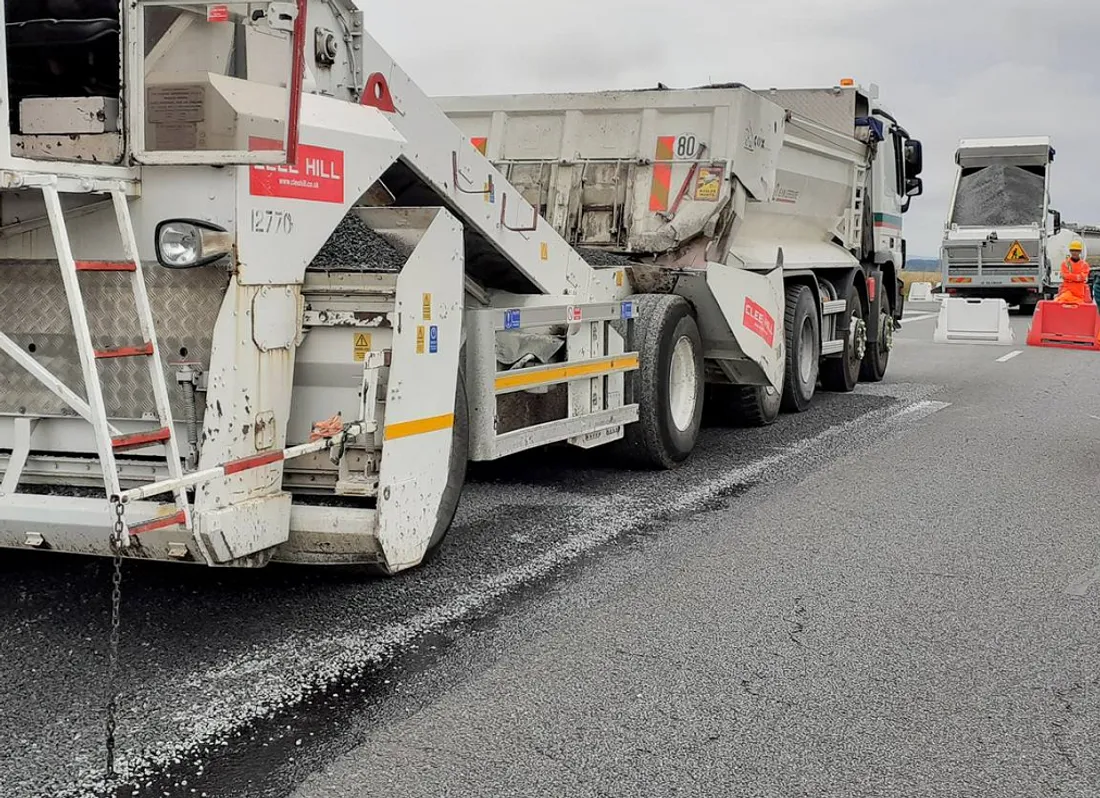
(851, 602)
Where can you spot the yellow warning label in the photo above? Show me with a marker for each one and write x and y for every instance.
(362, 346)
(426, 311)
(708, 184)
(544, 250)
(1016, 254)
(619, 279)
(420, 339)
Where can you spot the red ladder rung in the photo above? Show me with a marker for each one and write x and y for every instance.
(124, 351)
(139, 440)
(105, 266)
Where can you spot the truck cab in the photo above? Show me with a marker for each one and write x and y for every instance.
(995, 237)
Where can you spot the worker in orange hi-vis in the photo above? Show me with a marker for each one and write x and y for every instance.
(1075, 277)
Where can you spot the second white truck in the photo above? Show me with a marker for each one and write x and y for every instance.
(804, 187)
(995, 238)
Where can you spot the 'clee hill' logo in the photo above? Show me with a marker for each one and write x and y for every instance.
(317, 176)
(759, 321)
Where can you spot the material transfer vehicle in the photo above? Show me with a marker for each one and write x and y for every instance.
(261, 298)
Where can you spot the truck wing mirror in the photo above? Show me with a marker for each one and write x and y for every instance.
(914, 158)
(914, 186)
(1057, 220)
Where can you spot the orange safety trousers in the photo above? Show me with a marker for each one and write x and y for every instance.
(1075, 288)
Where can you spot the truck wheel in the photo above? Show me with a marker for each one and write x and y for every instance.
(668, 385)
(759, 404)
(456, 470)
(841, 374)
(802, 328)
(877, 358)
(742, 405)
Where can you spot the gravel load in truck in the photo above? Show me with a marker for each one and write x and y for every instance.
(999, 195)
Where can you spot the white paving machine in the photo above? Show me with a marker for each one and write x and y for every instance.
(262, 299)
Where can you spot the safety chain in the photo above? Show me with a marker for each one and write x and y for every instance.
(117, 539)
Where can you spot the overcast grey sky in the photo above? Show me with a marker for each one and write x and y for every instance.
(948, 69)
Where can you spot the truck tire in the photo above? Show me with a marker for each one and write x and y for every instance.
(668, 385)
(877, 358)
(456, 470)
(759, 405)
(742, 405)
(802, 329)
(841, 374)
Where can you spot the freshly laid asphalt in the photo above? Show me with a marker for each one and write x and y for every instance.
(894, 594)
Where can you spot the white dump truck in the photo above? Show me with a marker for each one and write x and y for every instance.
(995, 237)
(804, 188)
(262, 299)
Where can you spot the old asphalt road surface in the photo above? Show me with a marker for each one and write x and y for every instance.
(895, 594)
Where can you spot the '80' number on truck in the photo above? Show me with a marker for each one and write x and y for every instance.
(685, 146)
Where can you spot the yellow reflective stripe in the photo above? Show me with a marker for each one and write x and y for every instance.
(548, 376)
(404, 429)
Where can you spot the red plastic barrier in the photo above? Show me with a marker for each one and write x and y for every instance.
(1065, 326)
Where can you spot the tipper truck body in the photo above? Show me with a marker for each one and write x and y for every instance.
(995, 238)
(681, 183)
(261, 299)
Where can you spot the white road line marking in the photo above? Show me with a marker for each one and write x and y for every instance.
(279, 676)
(925, 407)
(1009, 356)
(1081, 584)
(918, 317)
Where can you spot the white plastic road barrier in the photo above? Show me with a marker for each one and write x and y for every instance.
(920, 292)
(973, 321)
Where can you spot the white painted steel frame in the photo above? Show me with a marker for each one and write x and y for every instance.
(420, 401)
(586, 424)
(134, 62)
(68, 176)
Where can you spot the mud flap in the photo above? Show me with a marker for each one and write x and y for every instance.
(875, 289)
(420, 398)
(751, 305)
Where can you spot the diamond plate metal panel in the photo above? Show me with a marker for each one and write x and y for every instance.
(836, 110)
(35, 314)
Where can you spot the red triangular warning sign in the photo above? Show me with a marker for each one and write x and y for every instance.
(1016, 254)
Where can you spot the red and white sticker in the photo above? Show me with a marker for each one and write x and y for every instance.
(217, 13)
(318, 176)
(573, 314)
(759, 321)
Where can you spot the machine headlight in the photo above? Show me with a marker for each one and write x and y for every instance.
(188, 243)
